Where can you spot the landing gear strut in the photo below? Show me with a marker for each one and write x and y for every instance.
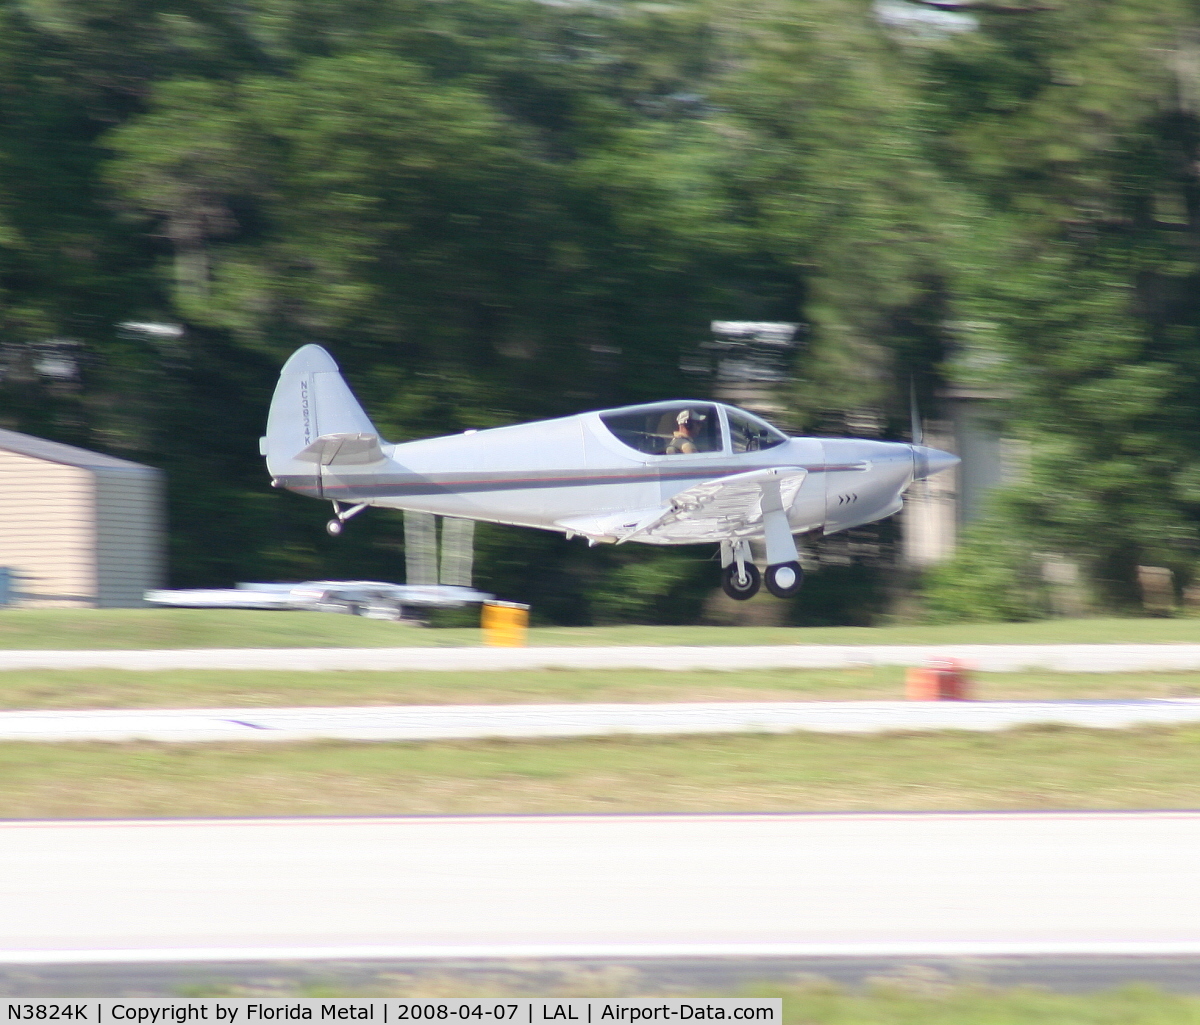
(784, 575)
(340, 516)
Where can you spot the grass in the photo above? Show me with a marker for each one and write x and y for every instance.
(201, 628)
(915, 1002)
(907, 997)
(1051, 631)
(244, 628)
(112, 688)
(1033, 767)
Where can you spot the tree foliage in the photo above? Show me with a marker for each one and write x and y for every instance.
(1076, 129)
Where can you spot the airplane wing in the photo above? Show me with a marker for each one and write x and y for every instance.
(724, 507)
(343, 450)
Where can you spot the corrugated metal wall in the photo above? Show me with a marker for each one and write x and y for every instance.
(47, 528)
(130, 534)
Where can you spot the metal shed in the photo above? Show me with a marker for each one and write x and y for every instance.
(78, 528)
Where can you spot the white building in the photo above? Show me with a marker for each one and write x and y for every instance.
(77, 528)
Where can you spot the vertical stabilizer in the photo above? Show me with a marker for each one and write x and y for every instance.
(311, 402)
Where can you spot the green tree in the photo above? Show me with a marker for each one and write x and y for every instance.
(1076, 129)
(488, 211)
(826, 160)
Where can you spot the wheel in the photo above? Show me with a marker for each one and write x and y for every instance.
(335, 527)
(737, 589)
(785, 579)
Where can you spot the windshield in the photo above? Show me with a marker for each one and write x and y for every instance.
(751, 435)
(668, 429)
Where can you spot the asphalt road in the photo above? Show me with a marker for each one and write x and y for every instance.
(996, 658)
(861, 885)
(459, 722)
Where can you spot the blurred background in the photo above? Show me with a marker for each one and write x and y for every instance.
(499, 210)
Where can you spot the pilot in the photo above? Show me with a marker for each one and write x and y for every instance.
(681, 441)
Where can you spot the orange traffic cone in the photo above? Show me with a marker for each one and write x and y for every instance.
(938, 680)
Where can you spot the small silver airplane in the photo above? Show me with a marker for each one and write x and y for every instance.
(665, 473)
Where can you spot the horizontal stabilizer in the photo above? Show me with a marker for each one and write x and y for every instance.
(343, 450)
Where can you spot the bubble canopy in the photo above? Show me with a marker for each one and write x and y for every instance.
(686, 428)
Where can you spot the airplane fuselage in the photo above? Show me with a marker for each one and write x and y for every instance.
(541, 474)
(677, 472)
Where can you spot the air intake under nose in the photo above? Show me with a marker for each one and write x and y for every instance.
(928, 461)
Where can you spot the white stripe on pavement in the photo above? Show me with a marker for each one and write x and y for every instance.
(457, 722)
(996, 658)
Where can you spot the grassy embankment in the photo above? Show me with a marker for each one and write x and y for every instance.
(900, 1002)
(1046, 767)
(965, 1005)
(216, 628)
(906, 998)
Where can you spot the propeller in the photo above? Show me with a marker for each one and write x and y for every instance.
(920, 458)
(914, 413)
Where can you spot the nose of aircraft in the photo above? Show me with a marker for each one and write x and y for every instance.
(928, 461)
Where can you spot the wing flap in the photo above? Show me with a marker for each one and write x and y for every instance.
(722, 507)
(718, 508)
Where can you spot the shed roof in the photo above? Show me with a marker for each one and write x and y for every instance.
(56, 452)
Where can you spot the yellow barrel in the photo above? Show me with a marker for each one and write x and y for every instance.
(505, 624)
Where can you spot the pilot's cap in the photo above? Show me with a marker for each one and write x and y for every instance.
(687, 415)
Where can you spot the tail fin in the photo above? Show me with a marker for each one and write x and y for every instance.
(315, 419)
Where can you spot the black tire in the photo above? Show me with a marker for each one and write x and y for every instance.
(785, 579)
(334, 527)
(737, 590)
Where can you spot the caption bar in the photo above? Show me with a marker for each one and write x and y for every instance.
(520, 1010)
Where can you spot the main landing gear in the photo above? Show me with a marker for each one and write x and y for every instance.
(785, 579)
(340, 516)
(740, 578)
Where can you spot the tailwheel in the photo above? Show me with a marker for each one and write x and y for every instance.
(741, 583)
(340, 516)
(785, 579)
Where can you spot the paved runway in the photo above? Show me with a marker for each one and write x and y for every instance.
(996, 658)
(864, 885)
(459, 722)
